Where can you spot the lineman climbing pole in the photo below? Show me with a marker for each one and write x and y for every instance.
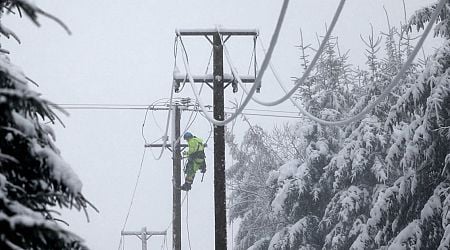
(218, 87)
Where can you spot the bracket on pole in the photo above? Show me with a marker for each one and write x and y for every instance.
(208, 78)
(143, 235)
(180, 78)
(221, 31)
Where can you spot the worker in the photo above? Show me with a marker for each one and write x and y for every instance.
(196, 159)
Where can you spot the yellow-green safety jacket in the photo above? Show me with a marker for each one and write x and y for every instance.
(196, 148)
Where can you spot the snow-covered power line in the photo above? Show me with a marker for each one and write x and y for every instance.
(288, 94)
(385, 93)
(103, 108)
(267, 112)
(165, 137)
(99, 106)
(258, 77)
(368, 108)
(264, 66)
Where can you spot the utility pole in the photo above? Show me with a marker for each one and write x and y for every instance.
(143, 235)
(219, 146)
(176, 210)
(218, 79)
(176, 179)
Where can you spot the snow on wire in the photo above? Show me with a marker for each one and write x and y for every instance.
(258, 78)
(368, 108)
(288, 94)
(305, 75)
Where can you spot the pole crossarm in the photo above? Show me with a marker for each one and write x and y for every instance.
(180, 78)
(158, 145)
(213, 31)
(143, 235)
(147, 233)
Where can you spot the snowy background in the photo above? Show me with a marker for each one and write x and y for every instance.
(122, 53)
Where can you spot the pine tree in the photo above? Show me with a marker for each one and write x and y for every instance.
(382, 182)
(325, 94)
(416, 204)
(250, 197)
(357, 172)
(33, 176)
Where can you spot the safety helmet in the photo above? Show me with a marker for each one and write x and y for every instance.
(187, 135)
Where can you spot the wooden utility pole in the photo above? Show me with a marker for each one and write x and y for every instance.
(219, 146)
(176, 226)
(218, 81)
(176, 178)
(176, 148)
(143, 235)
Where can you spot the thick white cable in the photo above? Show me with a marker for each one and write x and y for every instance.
(165, 137)
(187, 221)
(264, 66)
(151, 106)
(308, 70)
(383, 95)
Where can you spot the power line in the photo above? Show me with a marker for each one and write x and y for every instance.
(368, 108)
(99, 106)
(187, 221)
(259, 76)
(244, 113)
(133, 195)
(288, 94)
(395, 82)
(103, 108)
(112, 104)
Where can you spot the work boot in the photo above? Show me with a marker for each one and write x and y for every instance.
(186, 186)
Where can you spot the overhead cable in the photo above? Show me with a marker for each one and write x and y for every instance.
(395, 82)
(371, 106)
(165, 137)
(305, 74)
(132, 196)
(150, 107)
(264, 65)
(191, 121)
(187, 221)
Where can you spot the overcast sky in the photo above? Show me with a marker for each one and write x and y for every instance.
(121, 52)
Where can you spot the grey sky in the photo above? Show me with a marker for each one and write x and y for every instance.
(122, 52)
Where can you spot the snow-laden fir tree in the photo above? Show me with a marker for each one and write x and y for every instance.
(250, 197)
(34, 179)
(291, 189)
(412, 213)
(300, 198)
(358, 171)
(380, 183)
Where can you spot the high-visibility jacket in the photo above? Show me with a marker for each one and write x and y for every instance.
(196, 148)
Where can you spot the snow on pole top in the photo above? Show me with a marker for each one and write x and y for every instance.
(213, 31)
(182, 77)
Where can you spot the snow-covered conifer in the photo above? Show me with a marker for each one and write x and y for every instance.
(409, 214)
(250, 196)
(33, 176)
(379, 183)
